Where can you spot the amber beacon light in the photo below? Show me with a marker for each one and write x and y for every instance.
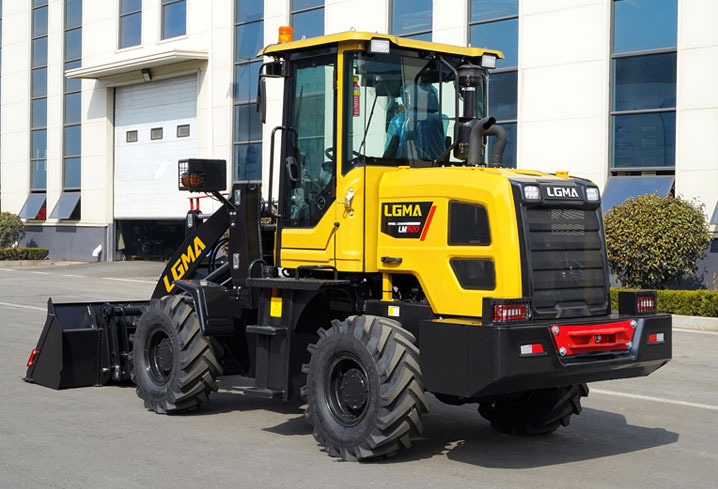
(285, 34)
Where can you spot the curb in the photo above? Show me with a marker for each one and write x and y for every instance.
(37, 263)
(697, 323)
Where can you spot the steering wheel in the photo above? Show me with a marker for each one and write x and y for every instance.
(329, 153)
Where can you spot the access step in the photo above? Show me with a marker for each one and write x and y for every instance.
(266, 329)
(263, 393)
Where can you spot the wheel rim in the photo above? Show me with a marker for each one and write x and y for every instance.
(347, 389)
(159, 356)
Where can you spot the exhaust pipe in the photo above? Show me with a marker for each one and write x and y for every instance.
(487, 127)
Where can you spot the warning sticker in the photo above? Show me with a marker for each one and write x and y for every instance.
(406, 219)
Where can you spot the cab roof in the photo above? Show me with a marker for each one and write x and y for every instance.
(348, 36)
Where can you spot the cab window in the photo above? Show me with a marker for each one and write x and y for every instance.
(401, 109)
(309, 166)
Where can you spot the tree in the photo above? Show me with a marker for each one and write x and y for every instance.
(655, 241)
(12, 230)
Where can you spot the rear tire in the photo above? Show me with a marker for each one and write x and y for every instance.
(175, 365)
(364, 389)
(536, 412)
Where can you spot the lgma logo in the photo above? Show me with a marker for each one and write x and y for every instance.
(562, 192)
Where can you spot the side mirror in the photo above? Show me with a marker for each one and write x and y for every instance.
(262, 99)
(272, 69)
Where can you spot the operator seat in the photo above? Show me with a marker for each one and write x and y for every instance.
(418, 132)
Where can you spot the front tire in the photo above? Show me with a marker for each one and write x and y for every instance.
(364, 389)
(175, 365)
(535, 412)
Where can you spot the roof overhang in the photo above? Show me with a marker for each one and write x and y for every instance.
(109, 71)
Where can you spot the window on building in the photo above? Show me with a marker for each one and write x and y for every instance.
(307, 18)
(247, 133)
(155, 133)
(643, 92)
(495, 25)
(131, 136)
(72, 138)
(412, 19)
(174, 18)
(130, 23)
(38, 98)
(183, 131)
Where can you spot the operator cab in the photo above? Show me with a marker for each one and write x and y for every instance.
(360, 100)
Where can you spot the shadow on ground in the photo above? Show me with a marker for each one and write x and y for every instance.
(466, 437)
(463, 436)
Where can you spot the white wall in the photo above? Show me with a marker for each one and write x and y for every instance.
(564, 60)
(214, 99)
(697, 103)
(450, 22)
(15, 105)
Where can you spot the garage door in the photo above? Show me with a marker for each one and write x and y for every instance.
(155, 126)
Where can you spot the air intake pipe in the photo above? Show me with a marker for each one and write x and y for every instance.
(487, 127)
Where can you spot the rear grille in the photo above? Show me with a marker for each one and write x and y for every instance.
(566, 262)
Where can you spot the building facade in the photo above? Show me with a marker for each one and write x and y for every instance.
(99, 99)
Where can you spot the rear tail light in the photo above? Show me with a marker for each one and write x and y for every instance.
(531, 349)
(657, 338)
(31, 360)
(637, 303)
(646, 303)
(505, 311)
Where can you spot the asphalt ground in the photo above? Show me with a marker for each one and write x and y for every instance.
(653, 432)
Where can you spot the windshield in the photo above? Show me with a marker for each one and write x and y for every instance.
(402, 110)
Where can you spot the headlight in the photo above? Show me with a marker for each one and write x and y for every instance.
(592, 194)
(531, 192)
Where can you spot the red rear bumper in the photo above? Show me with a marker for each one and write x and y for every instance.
(610, 337)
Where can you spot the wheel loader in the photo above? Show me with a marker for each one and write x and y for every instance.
(389, 255)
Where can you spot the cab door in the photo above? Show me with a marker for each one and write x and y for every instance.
(308, 179)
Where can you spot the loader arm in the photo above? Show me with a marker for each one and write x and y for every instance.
(190, 254)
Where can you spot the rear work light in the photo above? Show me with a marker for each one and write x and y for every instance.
(505, 311)
(202, 175)
(637, 303)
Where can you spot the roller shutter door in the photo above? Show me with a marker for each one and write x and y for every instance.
(155, 126)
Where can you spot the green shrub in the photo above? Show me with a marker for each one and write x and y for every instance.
(683, 302)
(12, 230)
(23, 253)
(654, 241)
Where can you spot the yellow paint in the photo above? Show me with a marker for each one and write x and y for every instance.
(428, 260)
(402, 210)
(315, 246)
(180, 267)
(275, 307)
(364, 37)
(562, 174)
(393, 191)
(455, 320)
(387, 288)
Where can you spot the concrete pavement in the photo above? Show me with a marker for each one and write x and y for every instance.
(655, 432)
